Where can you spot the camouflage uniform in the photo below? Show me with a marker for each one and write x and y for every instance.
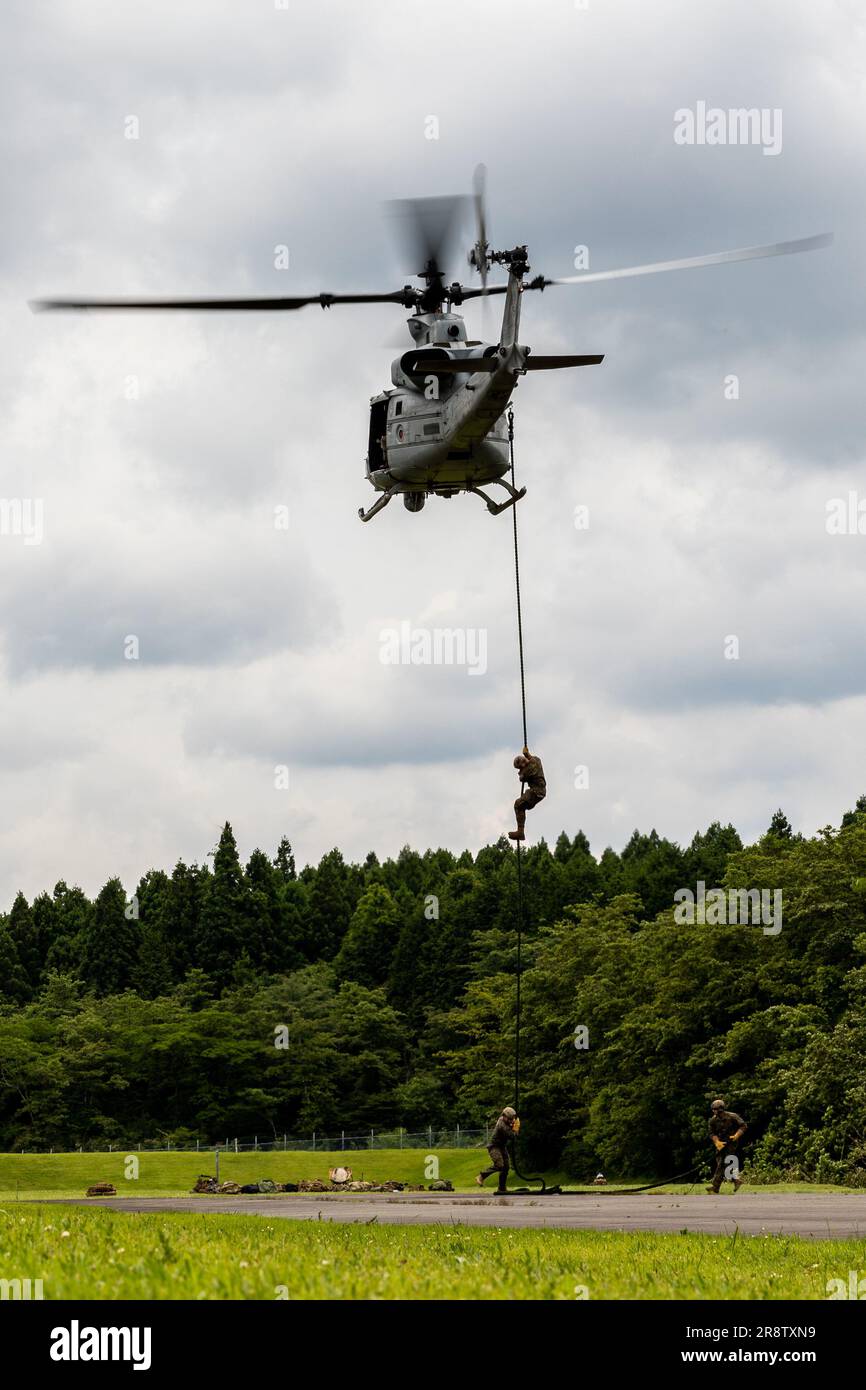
(498, 1150)
(534, 788)
(723, 1124)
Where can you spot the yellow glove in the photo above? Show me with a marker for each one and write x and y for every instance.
(718, 1143)
(516, 1125)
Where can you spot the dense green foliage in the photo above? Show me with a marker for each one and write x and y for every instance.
(256, 999)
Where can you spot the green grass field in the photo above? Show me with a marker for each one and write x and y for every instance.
(170, 1174)
(98, 1254)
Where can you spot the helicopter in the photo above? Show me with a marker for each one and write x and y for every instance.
(441, 428)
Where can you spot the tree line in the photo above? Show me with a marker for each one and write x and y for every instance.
(256, 998)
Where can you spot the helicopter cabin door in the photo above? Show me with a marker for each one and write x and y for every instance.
(378, 425)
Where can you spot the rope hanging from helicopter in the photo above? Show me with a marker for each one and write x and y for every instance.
(520, 912)
(544, 1189)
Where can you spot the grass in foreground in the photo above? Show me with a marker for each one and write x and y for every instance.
(98, 1254)
(173, 1174)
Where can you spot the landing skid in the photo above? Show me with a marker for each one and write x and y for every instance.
(496, 508)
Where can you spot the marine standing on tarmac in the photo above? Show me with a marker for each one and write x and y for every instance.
(726, 1130)
(506, 1128)
(531, 775)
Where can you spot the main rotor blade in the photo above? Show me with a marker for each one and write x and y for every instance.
(428, 229)
(479, 181)
(747, 253)
(406, 296)
(468, 293)
(549, 364)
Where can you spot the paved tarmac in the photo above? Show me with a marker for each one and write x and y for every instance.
(823, 1216)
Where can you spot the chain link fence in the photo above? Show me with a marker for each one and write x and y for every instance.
(317, 1141)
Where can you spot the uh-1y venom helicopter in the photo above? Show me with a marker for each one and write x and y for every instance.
(441, 428)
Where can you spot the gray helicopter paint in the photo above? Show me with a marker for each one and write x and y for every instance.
(466, 420)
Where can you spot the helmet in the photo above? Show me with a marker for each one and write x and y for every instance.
(510, 1112)
(717, 1105)
(519, 760)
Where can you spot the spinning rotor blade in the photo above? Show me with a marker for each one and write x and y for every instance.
(479, 255)
(428, 229)
(406, 296)
(747, 253)
(481, 263)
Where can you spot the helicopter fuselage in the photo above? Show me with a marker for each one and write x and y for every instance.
(442, 433)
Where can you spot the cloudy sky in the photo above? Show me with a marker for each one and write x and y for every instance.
(159, 447)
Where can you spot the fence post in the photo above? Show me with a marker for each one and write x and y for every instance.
(342, 1139)
(458, 1136)
(284, 1144)
(314, 1141)
(218, 1167)
(372, 1140)
(236, 1143)
(256, 1144)
(430, 1136)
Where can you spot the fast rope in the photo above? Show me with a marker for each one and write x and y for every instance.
(545, 1190)
(526, 745)
(517, 579)
(520, 916)
(601, 1191)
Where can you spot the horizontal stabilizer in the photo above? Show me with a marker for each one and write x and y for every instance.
(549, 364)
(415, 364)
